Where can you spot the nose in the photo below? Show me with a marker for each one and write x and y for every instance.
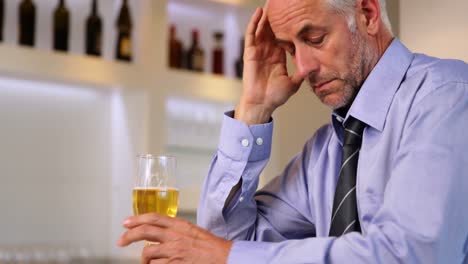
(306, 61)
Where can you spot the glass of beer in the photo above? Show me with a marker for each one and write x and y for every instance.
(155, 186)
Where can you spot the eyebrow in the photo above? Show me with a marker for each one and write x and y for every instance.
(308, 28)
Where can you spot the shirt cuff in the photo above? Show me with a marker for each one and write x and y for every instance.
(240, 142)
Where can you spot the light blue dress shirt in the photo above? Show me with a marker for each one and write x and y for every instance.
(412, 177)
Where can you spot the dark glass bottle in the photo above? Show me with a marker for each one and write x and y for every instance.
(240, 61)
(61, 26)
(175, 49)
(195, 55)
(94, 31)
(124, 38)
(218, 54)
(27, 23)
(2, 8)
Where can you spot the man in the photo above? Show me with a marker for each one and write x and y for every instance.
(384, 182)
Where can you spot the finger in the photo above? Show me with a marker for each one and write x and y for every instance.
(144, 232)
(159, 261)
(262, 23)
(252, 27)
(154, 252)
(176, 224)
(150, 219)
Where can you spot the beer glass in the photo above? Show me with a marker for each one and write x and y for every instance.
(155, 186)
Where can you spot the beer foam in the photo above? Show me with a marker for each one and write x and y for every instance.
(155, 188)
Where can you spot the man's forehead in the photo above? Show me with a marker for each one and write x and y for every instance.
(278, 5)
(293, 15)
(291, 8)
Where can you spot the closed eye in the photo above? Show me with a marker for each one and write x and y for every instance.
(314, 41)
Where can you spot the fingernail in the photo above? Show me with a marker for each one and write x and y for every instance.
(126, 222)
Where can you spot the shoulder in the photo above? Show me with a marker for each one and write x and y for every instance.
(437, 69)
(429, 75)
(440, 88)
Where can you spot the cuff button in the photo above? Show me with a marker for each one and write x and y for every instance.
(259, 141)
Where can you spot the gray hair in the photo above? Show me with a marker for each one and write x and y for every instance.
(347, 8)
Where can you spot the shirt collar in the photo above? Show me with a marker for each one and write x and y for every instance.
(375, 96)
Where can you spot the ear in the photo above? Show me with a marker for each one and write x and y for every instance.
(370, 14)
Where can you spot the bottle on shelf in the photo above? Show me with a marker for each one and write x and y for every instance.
(93, 31)
(218, 53)
(240, 61)
(195, 55)
(61, 26)
(2, 8)
(175, 49)
(27, 23)
(124, 38)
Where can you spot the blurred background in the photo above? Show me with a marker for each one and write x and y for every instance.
(84, 89)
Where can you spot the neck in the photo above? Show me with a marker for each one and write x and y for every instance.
(382, 40)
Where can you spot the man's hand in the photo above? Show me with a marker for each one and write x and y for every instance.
(179, 241)
(266, 84)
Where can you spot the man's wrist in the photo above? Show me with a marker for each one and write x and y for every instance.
(252, 115)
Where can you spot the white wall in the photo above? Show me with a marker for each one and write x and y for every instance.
(67, 156)
(67, 152)
(54, 164)
(438, 28)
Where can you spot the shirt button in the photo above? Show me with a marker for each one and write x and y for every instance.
(245, 142)
(259, 141)
(241, 199)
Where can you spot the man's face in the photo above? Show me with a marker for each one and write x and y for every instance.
(332, 58)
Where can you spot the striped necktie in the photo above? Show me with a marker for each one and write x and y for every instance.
(345, 215)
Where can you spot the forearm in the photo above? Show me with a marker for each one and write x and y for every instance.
(241, 155)
(383, 244)
(235, 219)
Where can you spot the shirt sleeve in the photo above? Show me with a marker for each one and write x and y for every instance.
(423, 218)
(274, 213)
